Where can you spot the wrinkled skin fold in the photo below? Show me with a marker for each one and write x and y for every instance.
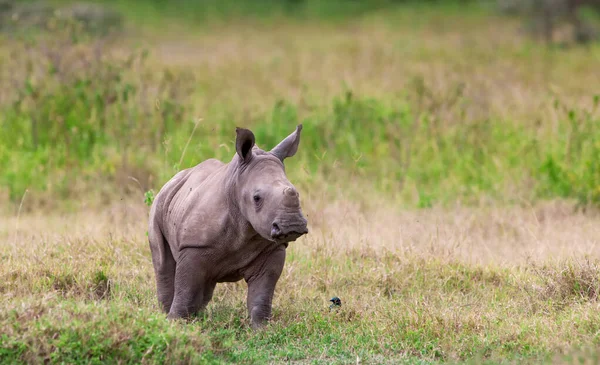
(224, 222)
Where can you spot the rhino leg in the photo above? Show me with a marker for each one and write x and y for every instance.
(192, 290)
(261, 288)
(164, 268)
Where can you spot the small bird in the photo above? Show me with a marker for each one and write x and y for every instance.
(336, 303)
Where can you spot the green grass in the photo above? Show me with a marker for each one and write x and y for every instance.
(198, 14)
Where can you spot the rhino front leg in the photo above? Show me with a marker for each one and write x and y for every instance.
(261, 288)
(192, 289)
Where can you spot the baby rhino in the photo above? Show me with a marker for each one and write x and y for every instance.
(218, 222)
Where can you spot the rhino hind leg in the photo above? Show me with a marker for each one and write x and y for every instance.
(164, 268)
(166, 281)
(192, 291)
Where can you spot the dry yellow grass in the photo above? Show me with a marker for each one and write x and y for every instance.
(499, 235)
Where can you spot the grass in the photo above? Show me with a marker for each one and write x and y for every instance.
(417, 286)
(443, 159)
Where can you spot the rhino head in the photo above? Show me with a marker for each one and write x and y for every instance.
(263, 193)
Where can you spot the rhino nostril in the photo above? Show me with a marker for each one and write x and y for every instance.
(275, 229)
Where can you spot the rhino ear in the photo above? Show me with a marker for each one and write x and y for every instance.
(289, 146)
(243, 143)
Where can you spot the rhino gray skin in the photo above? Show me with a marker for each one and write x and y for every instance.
(218, 222)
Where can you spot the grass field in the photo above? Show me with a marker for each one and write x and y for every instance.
(449, 169)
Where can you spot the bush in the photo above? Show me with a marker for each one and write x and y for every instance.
(74, 105)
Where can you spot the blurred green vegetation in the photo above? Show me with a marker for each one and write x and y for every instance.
(211, 10)
(75, 119)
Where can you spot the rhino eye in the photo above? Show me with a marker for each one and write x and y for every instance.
(256, 198)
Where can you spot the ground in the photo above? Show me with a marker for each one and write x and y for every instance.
(425, 285)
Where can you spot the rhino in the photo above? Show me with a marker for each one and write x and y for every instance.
(222, 222)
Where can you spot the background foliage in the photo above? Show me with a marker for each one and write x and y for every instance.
(77, 115)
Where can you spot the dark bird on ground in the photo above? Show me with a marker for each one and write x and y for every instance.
(336, 302)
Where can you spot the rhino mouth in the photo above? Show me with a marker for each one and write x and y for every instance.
(288, 235)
